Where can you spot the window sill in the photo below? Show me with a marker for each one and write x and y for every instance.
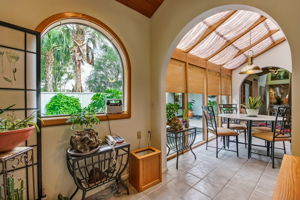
(56, 121)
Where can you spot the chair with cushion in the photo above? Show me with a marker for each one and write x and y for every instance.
(281, 131)
(233, 124)
(211, 126)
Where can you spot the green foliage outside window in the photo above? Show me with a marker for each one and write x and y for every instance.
(62, 104)
(98, 101)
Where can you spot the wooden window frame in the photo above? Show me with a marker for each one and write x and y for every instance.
(62, 120)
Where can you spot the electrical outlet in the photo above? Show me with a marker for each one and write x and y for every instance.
(139, 134)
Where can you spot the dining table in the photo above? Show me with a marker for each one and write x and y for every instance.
(249, 119)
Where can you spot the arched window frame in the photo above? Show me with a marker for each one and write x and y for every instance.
(72, 17)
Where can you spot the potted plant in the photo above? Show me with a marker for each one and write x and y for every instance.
(190, 108)
(174, 124)
(14, 131)
(185, 118)
(253, 105)
(85, 139)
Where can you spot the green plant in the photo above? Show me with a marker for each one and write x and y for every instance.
(10, 122)
(84, 118)
(63, 104)
(191, 105)
(172, 110)
(12, 192)
(253, 103)
(98, 101)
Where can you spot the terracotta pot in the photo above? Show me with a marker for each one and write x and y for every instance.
(190, 113)
(10, 139)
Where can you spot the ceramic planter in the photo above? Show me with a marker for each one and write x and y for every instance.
(252, 112)
(10, 139)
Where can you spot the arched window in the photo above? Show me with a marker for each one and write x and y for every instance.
(83, 64)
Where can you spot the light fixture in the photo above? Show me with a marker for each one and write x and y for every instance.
(250, 68)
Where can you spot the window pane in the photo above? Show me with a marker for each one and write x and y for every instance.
(195, 114)
(176, 98)
(80, 69)
(213, 101)
(225, 99)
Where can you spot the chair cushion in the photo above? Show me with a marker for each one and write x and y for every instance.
(236, 126)
(269, 136)
(226, 132)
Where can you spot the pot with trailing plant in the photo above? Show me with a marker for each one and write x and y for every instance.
(84, 139)
(253, 105)
(173, 123)
(13, 131)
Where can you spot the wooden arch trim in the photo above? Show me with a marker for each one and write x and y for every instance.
(53, 121)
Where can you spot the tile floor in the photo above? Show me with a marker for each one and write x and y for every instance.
(206, 178)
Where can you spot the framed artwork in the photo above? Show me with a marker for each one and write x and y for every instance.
(282, 76)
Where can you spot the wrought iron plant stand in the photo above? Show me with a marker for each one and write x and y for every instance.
(98, 168)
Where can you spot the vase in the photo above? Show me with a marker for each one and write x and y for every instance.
(252, 112)
(10, 139)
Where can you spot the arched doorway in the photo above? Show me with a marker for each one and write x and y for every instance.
(181, 35)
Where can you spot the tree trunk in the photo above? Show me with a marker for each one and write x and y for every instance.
(78, 56)
(78, 83)
(49, 75)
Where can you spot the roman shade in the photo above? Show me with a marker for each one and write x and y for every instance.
(196, 79)
(176, 79)
(213, 82)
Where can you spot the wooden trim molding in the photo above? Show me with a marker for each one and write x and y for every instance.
(44, 25)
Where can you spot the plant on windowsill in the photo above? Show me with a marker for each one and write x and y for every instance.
(85, 139)
(14, 131)
(253, 105)
(173, 123)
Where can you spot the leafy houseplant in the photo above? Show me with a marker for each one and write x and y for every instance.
(172, 121)
(14, 131)
(84, 139)
(253, 105)
(14, 193)
(172, 110)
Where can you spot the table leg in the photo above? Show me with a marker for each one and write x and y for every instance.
(249, 128)
(273, 126)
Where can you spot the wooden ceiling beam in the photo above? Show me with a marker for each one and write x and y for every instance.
(230, 42)
(277, 42)
(255, 43)
(211, 29)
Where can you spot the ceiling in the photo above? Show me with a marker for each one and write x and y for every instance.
(224, 38)
(145, 7)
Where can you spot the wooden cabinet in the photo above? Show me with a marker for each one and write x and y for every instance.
(145, 168)
(288, 182)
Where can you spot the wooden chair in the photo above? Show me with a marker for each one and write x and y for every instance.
(281, 131)
(235, 125)
(211, 126)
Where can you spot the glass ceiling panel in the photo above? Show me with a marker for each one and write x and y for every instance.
(215, 18)
(271, 25)
(235, 62)
(260, 47)
(192, 36)
(224, 56)
(278, 35)
(257, 33)
(237, 23)
(208, 46)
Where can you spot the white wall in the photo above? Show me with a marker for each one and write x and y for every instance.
(134, 31)
(279, 56)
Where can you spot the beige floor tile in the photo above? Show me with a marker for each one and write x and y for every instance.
(193, 194)
(208, 188)
(256, 195)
